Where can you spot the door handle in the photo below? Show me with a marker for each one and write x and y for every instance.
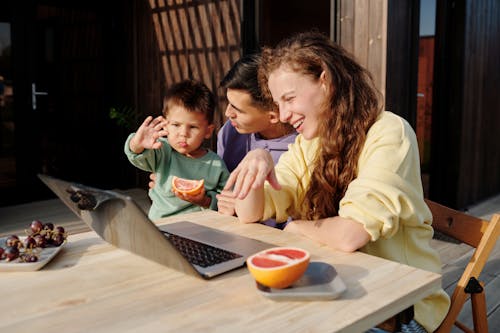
(35, 93)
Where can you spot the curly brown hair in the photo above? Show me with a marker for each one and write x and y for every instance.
(353, 105)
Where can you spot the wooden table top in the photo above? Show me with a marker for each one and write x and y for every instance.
(91, 286)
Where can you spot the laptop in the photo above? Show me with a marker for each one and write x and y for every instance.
(188, 247)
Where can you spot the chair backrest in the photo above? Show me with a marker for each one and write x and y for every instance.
(480, 234)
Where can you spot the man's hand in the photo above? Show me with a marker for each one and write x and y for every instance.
(225, 202)
(152, 180)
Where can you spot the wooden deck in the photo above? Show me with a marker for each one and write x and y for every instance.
(15, 219)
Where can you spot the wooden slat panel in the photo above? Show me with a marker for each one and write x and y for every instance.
(424, 98)
(377, 42)
(479, 172)
(199, 40)
(362, 18)
(363, 32)
(465, 158)
(346, 34)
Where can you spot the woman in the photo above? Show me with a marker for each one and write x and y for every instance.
(352, 178)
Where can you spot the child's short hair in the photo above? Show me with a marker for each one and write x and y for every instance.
(193, 95)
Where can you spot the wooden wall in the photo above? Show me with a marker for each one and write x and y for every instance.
(402, 58)
(193, 36)
(465, 145)
(362, 29)
(199, 40)
(479, 173)
(424, 99)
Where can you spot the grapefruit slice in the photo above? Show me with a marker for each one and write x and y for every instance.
(187, 186)
(278, 267)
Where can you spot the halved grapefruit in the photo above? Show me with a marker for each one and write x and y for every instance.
(187, 186)
(278, 267)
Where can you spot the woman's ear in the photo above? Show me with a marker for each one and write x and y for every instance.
(323, 79)
(322, 76)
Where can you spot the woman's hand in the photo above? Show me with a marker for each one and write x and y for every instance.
(148, 133)
(255, 168)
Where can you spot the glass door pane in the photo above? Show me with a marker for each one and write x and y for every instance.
(7, 125)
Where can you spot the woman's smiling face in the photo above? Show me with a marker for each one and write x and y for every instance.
(300, 99)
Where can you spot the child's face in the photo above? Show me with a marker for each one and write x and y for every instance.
(187, 130)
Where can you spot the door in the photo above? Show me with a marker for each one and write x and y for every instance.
(265, 23)
(66, 76)
(7, 158)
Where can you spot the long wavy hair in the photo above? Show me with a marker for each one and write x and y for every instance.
(352, 106)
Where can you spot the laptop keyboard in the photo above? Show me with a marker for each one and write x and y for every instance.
(200, 254)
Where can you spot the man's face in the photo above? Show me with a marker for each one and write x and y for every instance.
(245, 117)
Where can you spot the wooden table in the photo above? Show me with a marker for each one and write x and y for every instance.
(93, 287)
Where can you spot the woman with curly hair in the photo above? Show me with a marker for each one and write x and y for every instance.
(352, 178)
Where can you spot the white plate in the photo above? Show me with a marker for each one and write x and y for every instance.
(44, 256)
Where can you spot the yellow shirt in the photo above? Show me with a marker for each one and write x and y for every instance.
(386, 197)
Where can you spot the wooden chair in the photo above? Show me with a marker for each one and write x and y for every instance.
(480, 234)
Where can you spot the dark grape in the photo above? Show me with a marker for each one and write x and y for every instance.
(48, 226)
(40, 241)
(28, 257)
(12, 240)
(11, 253)
(36, 226)
(59, 230)
(57, 239)
(32, 258)
(48, 237)
(29, 242)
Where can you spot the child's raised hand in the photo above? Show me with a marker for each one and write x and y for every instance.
(148, 133)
